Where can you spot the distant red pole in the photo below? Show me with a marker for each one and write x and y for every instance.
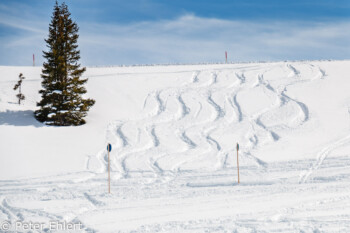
(226, 56)
(33, 60)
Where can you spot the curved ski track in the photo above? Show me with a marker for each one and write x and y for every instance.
(194, 114)
(180, 128)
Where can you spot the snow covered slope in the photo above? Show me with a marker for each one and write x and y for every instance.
(174, 130)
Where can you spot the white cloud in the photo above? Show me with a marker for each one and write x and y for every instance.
(21, 24)
(195, 39)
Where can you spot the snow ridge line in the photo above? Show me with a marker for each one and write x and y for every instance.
(303, 107)
(257, 121)
(214, 77)
(321, 73)
(155, 137)
(155, 166)
(213, 141)
(13, 210)
(161, 106)
(195, 76)
(185, 109)
(122, 136)
(241, 77)
(10, 216)
(274, 135)
(322, 155)
(18, 213)
(92, 200)
(235, 105)
(152, 141)
(218, 109)
(284, 99)
(187, 140)
(295, 72)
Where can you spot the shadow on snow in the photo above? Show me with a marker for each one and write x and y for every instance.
(19, 118)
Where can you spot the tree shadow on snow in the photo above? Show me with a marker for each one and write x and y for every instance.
(19, 118)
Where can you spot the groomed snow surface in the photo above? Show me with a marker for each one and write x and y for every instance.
(174, 131)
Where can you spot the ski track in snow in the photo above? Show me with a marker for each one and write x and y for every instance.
(143, 160)
(294, 72)
(185, 109)
(155, 138)
(219, 111)
(205, 87)
(122, 136)
(321, 156)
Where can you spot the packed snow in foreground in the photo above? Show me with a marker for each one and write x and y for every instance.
(174, 131)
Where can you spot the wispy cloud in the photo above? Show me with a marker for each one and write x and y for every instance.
(22, 33)
(21, 24)
(195, 39)
(186, 39)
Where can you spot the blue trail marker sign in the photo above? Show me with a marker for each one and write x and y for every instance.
(109, 147)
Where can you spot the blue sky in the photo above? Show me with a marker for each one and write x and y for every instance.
(167, 31)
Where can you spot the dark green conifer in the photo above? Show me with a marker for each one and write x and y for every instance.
(62, 102)
(18, 86)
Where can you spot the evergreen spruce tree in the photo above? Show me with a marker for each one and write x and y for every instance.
(18, 86)
(62, 102)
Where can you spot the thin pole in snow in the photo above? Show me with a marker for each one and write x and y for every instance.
(109, 175)
(33, 59)
(109, 148)
(237, 162)
(226, 56)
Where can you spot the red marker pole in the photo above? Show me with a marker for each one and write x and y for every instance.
(226, 56)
